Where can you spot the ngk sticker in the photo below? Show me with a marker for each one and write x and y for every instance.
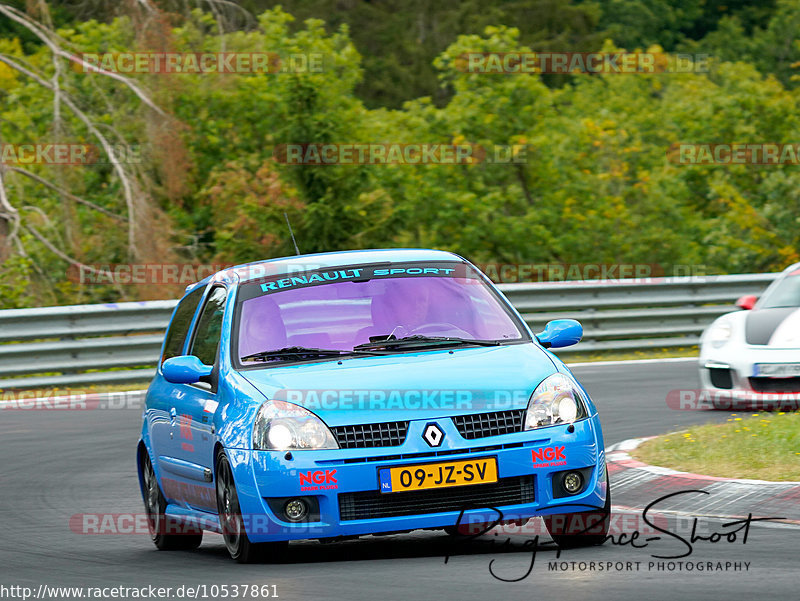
(318, 480)
(549, 457)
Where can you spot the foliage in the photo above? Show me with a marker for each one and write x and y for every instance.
(591, 183)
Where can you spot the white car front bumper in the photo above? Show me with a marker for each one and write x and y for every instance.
(731, 373)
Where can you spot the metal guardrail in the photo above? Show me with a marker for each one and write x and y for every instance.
(85, 345)
(627, 316)
(81, 345)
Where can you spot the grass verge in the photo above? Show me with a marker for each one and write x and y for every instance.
(760, 446)
(656, 353)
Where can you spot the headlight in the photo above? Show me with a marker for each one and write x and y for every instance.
(557, 400)
(720, 333)
(282, 426)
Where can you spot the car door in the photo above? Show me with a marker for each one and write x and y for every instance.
(160, 403)
(194, 408)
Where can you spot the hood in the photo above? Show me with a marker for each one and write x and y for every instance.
(778, 327)
(409, 386)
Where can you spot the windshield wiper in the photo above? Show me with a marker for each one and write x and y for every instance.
(302, 351)
(415, 340)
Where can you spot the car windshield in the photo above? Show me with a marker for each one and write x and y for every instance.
(786, 293)
(339, 309)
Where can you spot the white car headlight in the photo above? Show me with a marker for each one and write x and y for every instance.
(720, 333)
(557, 400)
(282, 426)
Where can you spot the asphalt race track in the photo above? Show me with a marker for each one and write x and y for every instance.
(60, 463)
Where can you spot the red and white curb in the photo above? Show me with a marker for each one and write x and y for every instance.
(635, 485)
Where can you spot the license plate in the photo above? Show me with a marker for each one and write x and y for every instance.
(439, 475)
(778, 370)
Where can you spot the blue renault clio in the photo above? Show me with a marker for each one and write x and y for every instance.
(365, 392)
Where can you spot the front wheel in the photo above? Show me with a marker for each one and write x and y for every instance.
(232, 524)
(582, 528)
(166, 533)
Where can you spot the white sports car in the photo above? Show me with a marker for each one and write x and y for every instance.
(754, 355)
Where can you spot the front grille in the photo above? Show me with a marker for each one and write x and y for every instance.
(465, 451)
(480, 425)
(366, 436)
(372, 504)
(786, 385)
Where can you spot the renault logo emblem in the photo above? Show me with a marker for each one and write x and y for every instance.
(433, 435)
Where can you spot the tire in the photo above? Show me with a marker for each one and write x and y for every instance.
(232, 524)
(167, 533)
(597, 521)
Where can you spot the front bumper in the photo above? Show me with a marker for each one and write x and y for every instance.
(348, 486)
(731, 374)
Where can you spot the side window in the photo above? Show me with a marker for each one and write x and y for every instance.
(179, 326)
(209, 327)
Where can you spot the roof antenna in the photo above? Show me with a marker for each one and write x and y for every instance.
(296, 250)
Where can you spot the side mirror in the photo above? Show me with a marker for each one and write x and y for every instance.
(747, 302)
(186, 369)
(560, 333)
